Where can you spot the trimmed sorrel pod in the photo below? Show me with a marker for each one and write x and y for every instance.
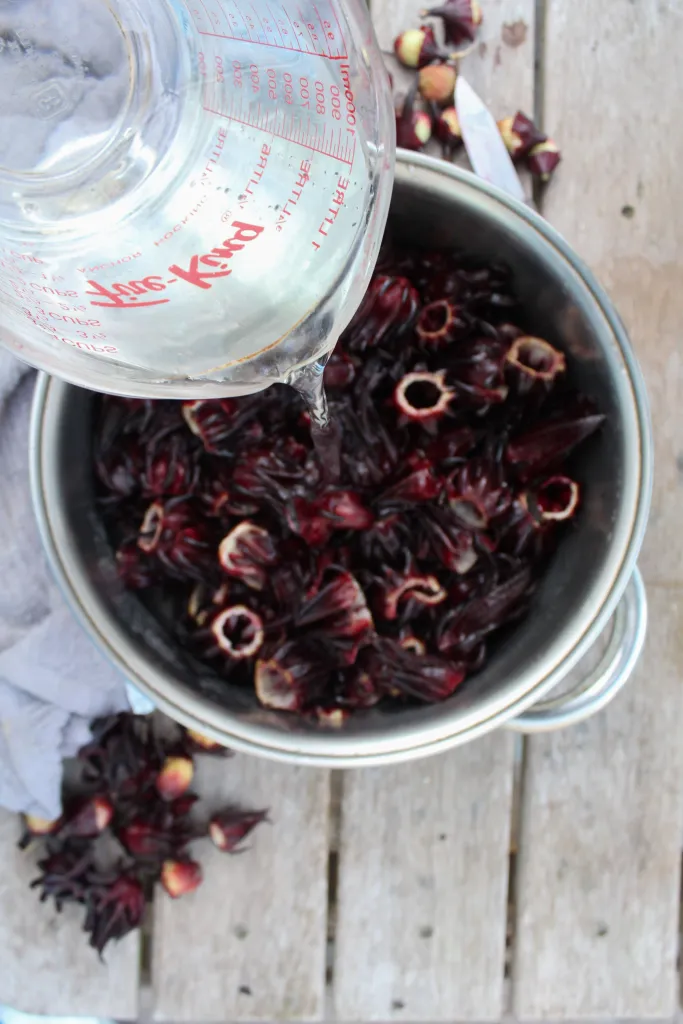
(230, 827)
(478, 493)
(180, 877)
(176, 538)
(291, 678)
(424, 678)
(520, 135)
(543, 159)
(436, 83)
(460, 19)
(441, 322)
(550, 441)
(171, 466)
(236, 633)
(417, 47)
(447, 130)
(413, 127)
(390, 305)
(247, 553)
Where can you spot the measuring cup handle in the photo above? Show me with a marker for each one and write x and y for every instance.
(599, 687)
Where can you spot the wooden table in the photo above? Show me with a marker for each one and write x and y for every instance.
(426, 892)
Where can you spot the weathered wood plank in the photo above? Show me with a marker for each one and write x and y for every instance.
(600, 842)
(599, 861)
(420, 919)
(423, 886)
(249, 944)
(617, 199)
(46, 965)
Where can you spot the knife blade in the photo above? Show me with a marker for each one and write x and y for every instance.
(484, 144)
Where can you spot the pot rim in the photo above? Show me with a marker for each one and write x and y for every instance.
(337, 750)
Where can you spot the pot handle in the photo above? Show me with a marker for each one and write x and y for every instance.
(628, 626)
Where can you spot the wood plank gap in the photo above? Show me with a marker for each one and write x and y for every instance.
(336, 798)
(539, 62)
(511, 903)
(540, 16)
(146, 947)
(679, 952)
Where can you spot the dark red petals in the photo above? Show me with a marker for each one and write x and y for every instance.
(463, 628)
(214, 422)
(359, 689)
(119, 468)
(420, 485)
(171, 467)
(453, 546)
(142, 839)
(389, 306)
(423, 677)
(550, 441)
(273, 472)
(172, 532)
(246, 553)
(306, 519)
(477, 494)
(290, 679)
(340, 608)
(114, 911)
(133, 568)
(345, 510)
(451, 446)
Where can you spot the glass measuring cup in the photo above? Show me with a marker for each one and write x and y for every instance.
(192, 192)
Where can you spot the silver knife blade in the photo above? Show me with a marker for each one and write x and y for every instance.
(484, 144)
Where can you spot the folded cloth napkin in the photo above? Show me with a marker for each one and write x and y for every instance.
(53, 680)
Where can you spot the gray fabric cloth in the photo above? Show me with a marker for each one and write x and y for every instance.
(53, 680)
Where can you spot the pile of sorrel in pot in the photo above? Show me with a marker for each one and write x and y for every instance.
(390, 583)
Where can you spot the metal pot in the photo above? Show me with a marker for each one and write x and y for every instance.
(592, 576)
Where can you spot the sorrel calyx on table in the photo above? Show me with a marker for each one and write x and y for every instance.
(390, 582)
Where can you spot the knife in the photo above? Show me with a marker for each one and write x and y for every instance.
(484, 144)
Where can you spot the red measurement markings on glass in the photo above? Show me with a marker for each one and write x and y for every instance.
(256, 176)
(295, 195)
(273, 24)
(334, 210)
(330, 141)
(125, 295)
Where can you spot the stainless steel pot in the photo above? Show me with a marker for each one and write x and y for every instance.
(592, 577)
